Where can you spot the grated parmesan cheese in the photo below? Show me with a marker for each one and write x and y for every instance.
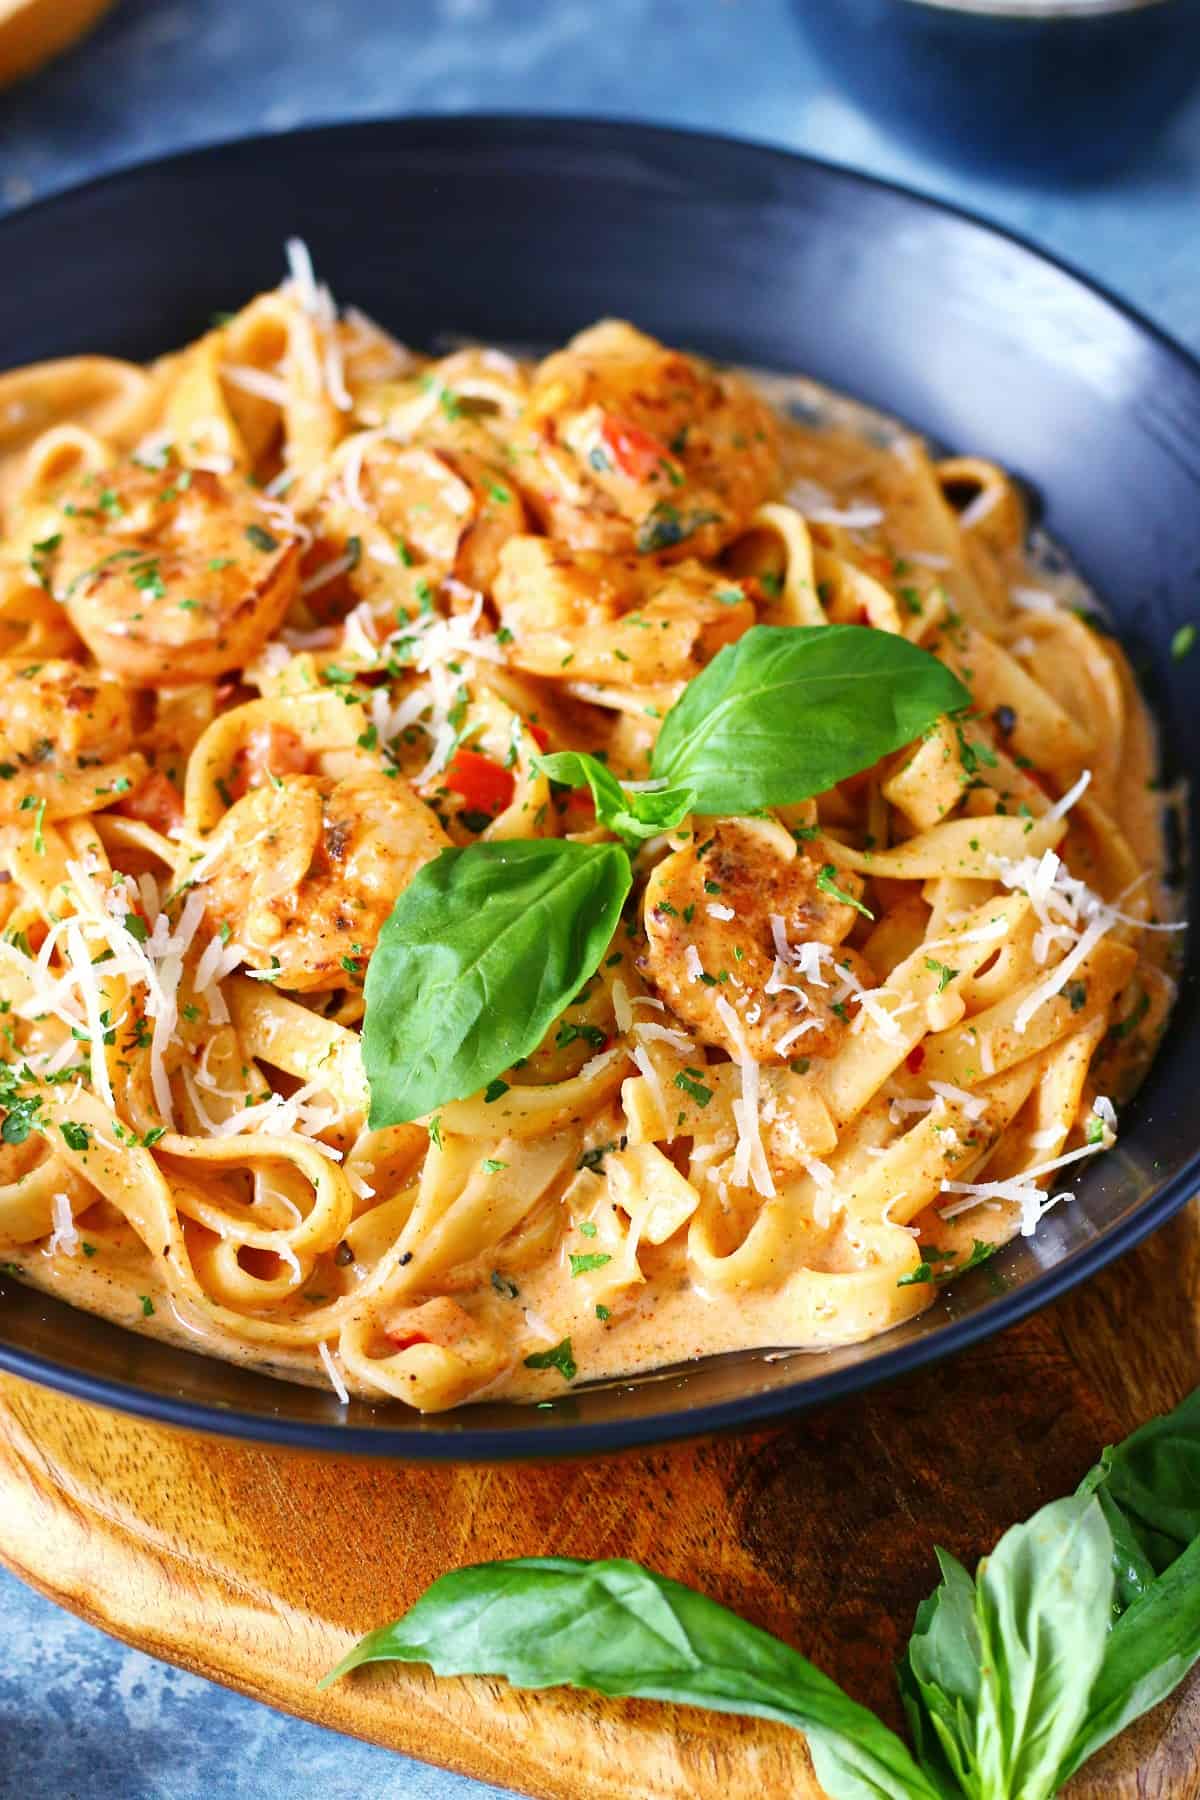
(64, 1237)
(1062, 807)
(749, 1159)
(334, 1373)
(973, 1105)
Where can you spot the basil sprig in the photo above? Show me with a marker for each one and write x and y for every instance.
(790, 710)
(785, 713)
(1081, 1620)
(488, 944)
(623, 1630)
(631, 814)
(480, 954)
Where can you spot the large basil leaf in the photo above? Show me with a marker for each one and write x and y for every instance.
(1150, 1649)
(480, 954)
(1043, 1604)
(633, 815)
(940, 1674)
(789, 710)
(1154, 1479)
(622, 1630)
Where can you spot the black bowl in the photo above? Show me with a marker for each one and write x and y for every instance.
(525, 229)
(1050, 87)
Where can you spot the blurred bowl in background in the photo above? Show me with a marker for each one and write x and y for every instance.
(1052, 87)
(32, 31)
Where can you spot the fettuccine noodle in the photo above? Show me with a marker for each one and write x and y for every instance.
(291, 610)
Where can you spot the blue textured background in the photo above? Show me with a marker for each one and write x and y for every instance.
(79, 1714)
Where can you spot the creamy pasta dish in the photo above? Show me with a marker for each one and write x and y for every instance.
(524, 870)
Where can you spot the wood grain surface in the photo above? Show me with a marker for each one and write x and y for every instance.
(258, 1568)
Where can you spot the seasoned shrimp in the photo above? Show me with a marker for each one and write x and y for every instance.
(585, 616)
(311, 868)
(66, 734)
(449, 511)
(633, 446)
(709, 913)
(170, 576)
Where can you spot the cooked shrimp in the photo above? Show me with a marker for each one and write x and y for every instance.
(632, 446)
(585, 616)
(448, 510)
(697, 955)
(311, 868)
(172, 575)
(65, 735)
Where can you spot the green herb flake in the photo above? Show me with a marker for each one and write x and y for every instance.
(561, 1357)
(827, 882)
(591, 1259)
(942, 970)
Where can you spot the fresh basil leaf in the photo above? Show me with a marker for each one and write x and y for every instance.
(632, 816)
(618, 1629)
(940, 1674)
(1150, 1649)
(1154, 1478)
(926, 1740)
(1044, 1598)
(944, 1647)
(788, 710)
(479, 955)
(1133, 1572)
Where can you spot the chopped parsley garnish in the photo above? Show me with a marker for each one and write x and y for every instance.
(827, 882)
(943, 971)
(561, 1357)
(973, 755)
(924, 1270)
(591, 1259)
(699, 1093)
(592, 1159)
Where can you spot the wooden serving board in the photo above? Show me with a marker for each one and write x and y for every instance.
(258, 1568)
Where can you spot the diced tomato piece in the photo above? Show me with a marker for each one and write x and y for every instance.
(540, 736)
(271, 749)
(580, 800)
(915, 1058)
(636, 452)
(155, 801)
(485, 785)
(404, 1340)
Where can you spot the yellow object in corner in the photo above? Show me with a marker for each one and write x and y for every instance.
(33, 31)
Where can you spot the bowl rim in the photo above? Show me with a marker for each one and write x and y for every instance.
(550, 1436)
